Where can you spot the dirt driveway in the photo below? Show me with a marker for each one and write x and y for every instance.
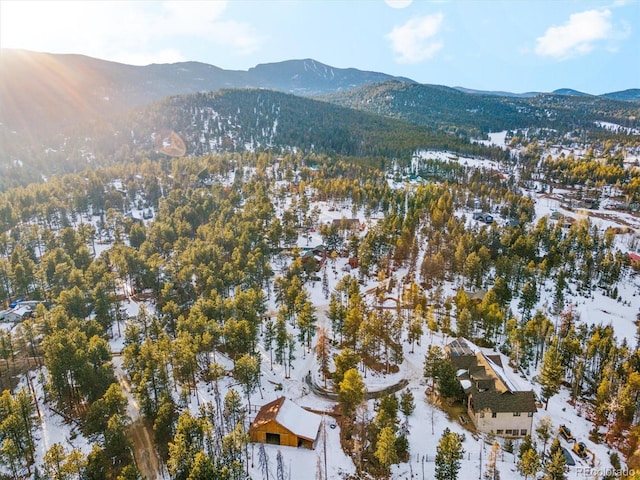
(144, 451)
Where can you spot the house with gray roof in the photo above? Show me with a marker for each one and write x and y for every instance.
(495, 403)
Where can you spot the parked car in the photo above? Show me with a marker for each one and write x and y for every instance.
(15, 303)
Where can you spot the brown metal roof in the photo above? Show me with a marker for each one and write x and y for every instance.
(268, 413)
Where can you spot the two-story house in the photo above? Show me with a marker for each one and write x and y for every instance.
(494, 403)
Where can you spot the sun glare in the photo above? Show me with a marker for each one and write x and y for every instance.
(23, 24)
(48, 26)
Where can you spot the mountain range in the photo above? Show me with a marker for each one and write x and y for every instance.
(44, 91)
(66, 113)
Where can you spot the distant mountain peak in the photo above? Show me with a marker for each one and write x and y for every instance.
(84, 88)
(629, 95)
(33, 98)
(570, 91)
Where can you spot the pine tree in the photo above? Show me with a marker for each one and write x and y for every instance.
(18, 423)
(551, 373)
(432, 362)
(269, 337)
(323, 351)
(448, 384)
(112, 402)
(337, 314)
(529, 463)
(130, 472)
(386, 452)
(75, 463)
(544, 432)
(247, 372)
(351, 392)
(54, 461)
(343, 361)
(387, 411)
(187, 442)
(11, 457)
(407, 404)
(528, 298)
(164, 424)
(555, 447)
(233, 445)
(281, 335)
(448, 456)
(291, 350)
(554, 469)
(307, 324)
(233, 411)
(527, 444)
(117, 445)
(415, 330)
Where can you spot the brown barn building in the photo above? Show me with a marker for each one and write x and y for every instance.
(282, 422)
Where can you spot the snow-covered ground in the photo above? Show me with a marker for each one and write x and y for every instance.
(496, 139)
(427, 421)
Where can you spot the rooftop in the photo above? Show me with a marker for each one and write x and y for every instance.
(291, 416)
(484, 378)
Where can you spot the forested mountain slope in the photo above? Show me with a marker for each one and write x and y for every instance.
(231, 120)
(439, 106)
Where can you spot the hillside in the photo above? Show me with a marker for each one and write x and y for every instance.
(43, 91)
(439, 106)
(230, 120)
(630, 95)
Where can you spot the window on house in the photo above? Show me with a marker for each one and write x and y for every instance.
(499, 432)
(530, 414)
(523, 432)
(516, 414)
(494, 415)
(508, 432)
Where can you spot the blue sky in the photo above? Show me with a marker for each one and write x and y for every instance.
(514, 45)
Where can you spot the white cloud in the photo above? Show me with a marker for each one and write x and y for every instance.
(144, 32)
(576, 37)
(415, 41)
(398, 3)
(203, 20)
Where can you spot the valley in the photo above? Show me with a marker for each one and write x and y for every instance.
(169, 270)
